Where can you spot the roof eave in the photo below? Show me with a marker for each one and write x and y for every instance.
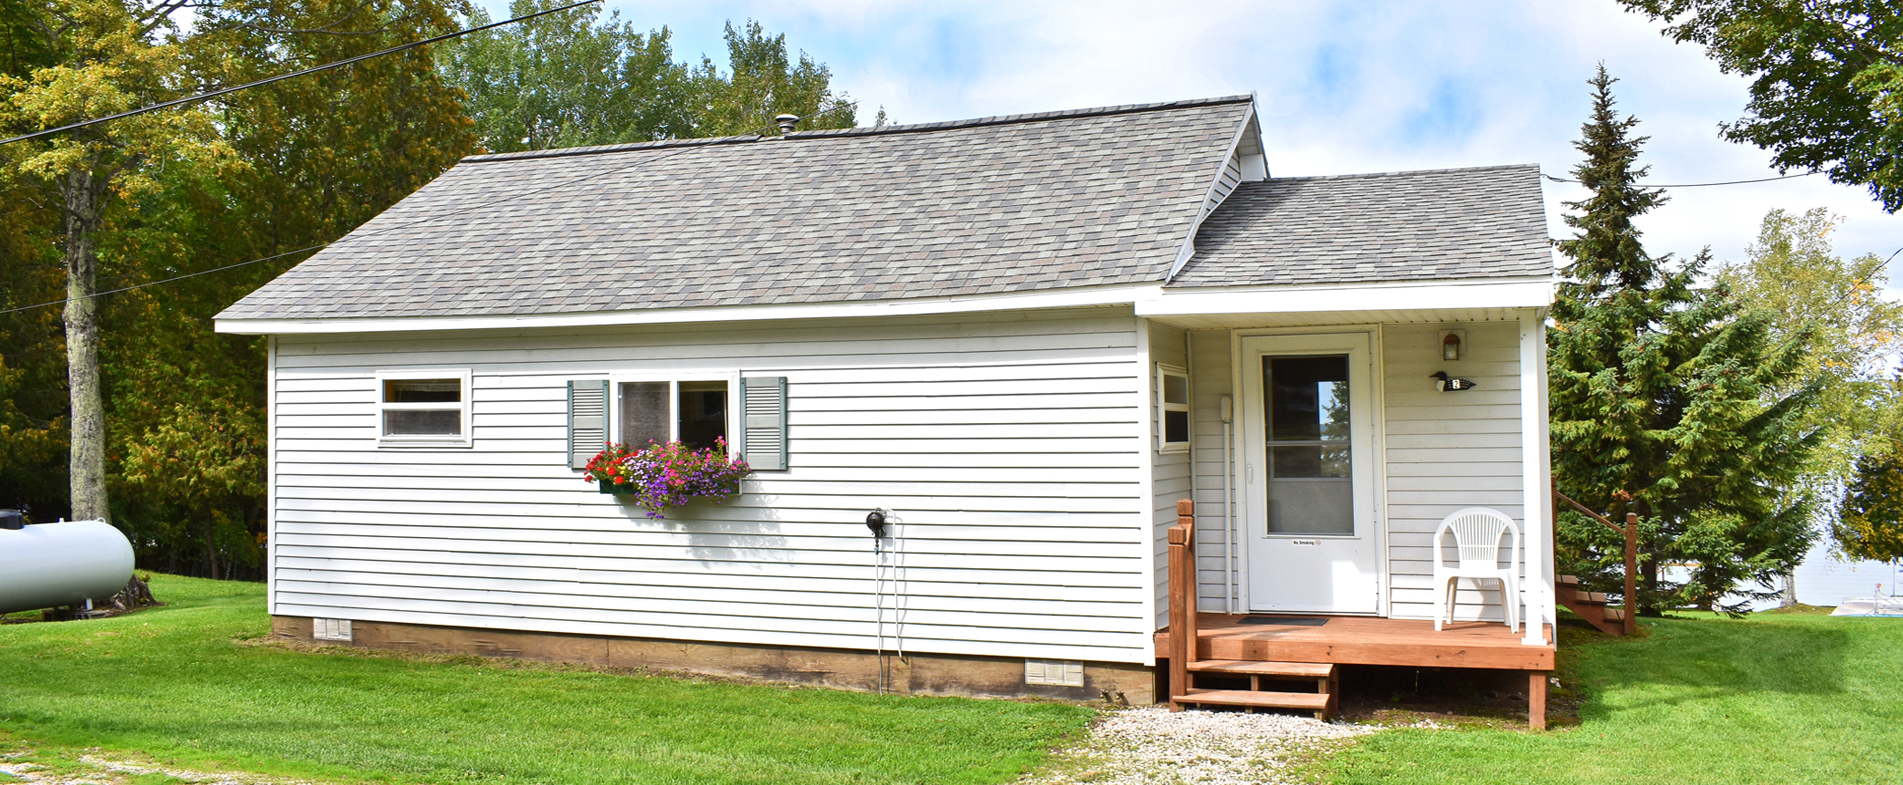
(1121, 294)
(1469, 293)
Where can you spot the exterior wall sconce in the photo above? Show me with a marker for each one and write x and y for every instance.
(1451, 343)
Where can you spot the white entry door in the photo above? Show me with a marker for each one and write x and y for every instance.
(1308, 473)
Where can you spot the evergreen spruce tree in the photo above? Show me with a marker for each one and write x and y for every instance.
(1666, 402)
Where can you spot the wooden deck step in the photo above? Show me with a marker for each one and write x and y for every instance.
(1613, 614)
(1293, 670)
(1301, 701)
(1566, 580)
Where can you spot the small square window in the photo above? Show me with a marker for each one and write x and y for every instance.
(423, 410)
(1172, 409)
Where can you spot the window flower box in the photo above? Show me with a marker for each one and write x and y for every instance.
(662, 476)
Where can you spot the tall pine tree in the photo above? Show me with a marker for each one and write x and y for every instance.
(1666, 400)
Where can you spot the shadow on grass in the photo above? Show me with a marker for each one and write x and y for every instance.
(1716, 658)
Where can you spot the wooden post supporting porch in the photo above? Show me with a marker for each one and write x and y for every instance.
(1536, 698)
(1182, 583)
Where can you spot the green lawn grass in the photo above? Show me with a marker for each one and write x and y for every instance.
(180, 684)
(1771, 698)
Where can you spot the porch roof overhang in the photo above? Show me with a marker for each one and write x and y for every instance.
(1401, 302)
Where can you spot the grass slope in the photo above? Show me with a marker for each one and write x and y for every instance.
(178, 684)
(1767, 699)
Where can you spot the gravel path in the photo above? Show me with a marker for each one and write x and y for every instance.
(1154, 746)
(103, 771)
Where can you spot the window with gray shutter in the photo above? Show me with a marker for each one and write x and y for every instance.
(587, 420)
(763, 422)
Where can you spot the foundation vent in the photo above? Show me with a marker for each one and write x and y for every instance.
(1054, 673)
(331, 629)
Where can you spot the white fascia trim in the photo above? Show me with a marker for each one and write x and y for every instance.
(1391, 296)
(923, 306)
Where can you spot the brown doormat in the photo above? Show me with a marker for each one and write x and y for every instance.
(1286, 622)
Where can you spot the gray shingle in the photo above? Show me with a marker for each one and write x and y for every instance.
(1427, 225)
(1017, 204)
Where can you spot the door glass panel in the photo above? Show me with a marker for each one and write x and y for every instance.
(1310, 488)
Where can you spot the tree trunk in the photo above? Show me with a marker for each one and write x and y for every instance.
(1788, 597)
(83, 194)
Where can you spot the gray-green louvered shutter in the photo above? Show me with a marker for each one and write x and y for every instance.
(763, 422)
(587, 420)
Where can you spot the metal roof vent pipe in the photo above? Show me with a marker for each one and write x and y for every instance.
(788, 122)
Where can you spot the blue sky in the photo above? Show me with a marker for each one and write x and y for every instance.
(1342, 87)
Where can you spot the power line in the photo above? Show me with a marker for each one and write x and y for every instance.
(166, 280)
(1695, 185)
(282, 77)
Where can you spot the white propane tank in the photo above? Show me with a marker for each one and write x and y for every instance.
(46, 565)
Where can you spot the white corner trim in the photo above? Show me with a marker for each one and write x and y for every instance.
(1387, 296)
(1062, 298)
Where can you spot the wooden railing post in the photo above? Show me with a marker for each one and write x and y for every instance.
(1629, 624)
(1182, 583)
(1631, 573)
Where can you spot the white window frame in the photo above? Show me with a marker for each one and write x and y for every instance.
(674, 380)
(462, 375)
(1163, 370)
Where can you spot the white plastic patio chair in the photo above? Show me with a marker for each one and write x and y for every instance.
(1477, 532)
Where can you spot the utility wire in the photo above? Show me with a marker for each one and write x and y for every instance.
(1695, 185)
(282, 77)
(374, 232)
(166, 280)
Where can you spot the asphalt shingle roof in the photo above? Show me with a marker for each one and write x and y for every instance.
(1000, 205)
(1425, 225)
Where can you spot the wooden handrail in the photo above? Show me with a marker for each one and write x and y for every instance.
(1588, 512)
(1630, 531)
(1182, 583)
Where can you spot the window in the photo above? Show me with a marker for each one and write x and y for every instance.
(694, 413)
(1172, 409)
(423, 409)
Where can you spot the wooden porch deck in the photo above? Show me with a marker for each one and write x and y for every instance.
(1355, 640)
(1288, 646)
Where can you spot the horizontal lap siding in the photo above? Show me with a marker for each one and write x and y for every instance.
(1446, 451)
(1213, 380)
(1008, 447)
(1170, 480)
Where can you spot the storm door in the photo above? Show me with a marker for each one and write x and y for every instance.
(1308, 473)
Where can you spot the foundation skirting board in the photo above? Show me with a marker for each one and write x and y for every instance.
(916, 674)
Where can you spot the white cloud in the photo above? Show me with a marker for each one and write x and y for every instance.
(1347, 87)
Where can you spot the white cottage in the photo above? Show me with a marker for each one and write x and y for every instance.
(1025, 337)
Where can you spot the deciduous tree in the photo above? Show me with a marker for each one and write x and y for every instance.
(1827, 89)
(110, 56)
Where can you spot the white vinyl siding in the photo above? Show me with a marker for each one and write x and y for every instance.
(1010, 448)
(1169, 471)
(1448, 450)
(1225, 183)
(1211, 380)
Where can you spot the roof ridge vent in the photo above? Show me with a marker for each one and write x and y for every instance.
(788, 122)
